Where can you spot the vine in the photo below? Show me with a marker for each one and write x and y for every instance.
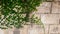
(16, 12)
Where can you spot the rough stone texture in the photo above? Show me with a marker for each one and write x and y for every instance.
(52, 0)
(49, 0)
(54, 29)
(57, 0)
(50, 18)
(24, 30)
(9, 31)
(56, 7)
(44, 8)
(16, 31)
(35, 29)
(1, 31)
(46, 27)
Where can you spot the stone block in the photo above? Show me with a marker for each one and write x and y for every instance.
(54, 29)
(2, 31)
(53, 33)
(57, 0)
(56, 7)
(50, 18)
(52, 0)
(24, 30)
(46, 27)
(44, 8)
(8, 31)
(35, 29)
(16, 31)
(49, 0)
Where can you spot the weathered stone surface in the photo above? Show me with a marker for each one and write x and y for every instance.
(57, 0)
(1, 31)
(50, 18)
(50, 21)
(24, 30)
(56, 7)
(46, 27)
(52, 0)
(8, 31)
(54, 29)
(16, 31)
(49, 0)
(44, 8)
(35, 29)
(53, 33)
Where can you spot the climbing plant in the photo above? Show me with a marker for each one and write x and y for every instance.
(16, 13)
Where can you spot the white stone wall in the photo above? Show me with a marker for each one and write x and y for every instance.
(49, 12)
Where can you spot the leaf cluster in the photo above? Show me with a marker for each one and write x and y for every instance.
(16, 12)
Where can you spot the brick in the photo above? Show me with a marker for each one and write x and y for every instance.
(50, 18)
(44, 8)
(54, 29)
(56, 7)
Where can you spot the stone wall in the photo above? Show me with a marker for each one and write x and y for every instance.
(49, 12)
